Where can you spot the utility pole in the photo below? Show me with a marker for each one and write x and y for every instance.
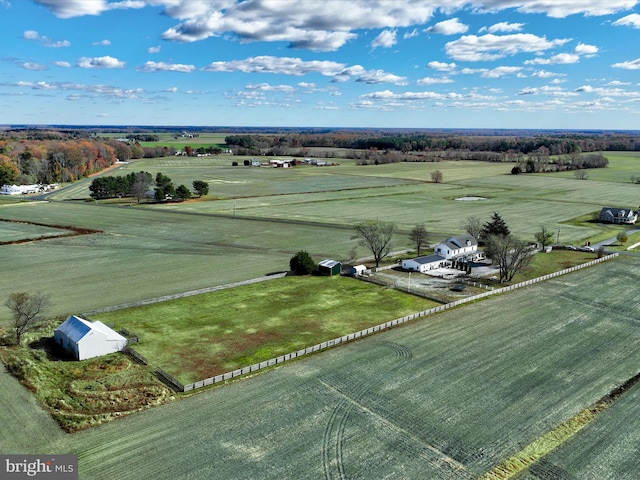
(558, 237)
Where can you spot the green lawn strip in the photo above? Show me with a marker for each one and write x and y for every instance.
(554, 261)
(554, 438)
(205, 335)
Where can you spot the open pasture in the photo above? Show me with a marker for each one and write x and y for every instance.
(446, 397)
(201, 336)
(21, 231)
(622, 166)
(144, 253)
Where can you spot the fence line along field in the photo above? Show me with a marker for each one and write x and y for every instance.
(447, 397)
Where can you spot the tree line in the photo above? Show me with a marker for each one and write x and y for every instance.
(137, 184)
(557, 144)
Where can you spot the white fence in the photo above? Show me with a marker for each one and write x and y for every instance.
(383, 326)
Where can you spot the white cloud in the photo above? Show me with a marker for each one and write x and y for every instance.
(154, 49)
(104, 42)
(279, 65)
(492, 47)
(503, 27)
(151, 67)
(33, 66)
(583, 49)
(61, 64)
(306, 85)
(629, 65)
(359, 74)
(442, 66)
(559, 8)
(265, 87)
(325, 25)
(617, 83)
(543, 74)
(411, 34)
(386, 39)
(434, 80)
(559, 59)
(47, 42)
(448, 27)
(100, 62)
(78, 8)
(499, 72)
(632, 20)
(172, 90)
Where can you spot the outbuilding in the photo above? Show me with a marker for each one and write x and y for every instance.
(357, 270)
(425, 263)
(329, 267)
(84, 339)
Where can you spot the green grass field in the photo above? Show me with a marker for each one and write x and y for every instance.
(447, 397)
(201, 336)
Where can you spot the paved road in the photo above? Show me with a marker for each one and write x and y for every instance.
(611, 240)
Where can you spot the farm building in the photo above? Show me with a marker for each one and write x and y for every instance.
(618, 215)
(425, 263)
(85, 339)
(329, 267)
(463, 247)
(357, 270)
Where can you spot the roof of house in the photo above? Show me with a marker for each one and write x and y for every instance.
(75, 328)
(328, 263)
(618, 212)
(460, 241)
(428, 259)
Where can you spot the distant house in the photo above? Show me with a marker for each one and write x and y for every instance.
(462, 248)
(425, 263)
(84, 339)
(329, 267)
(618, 215)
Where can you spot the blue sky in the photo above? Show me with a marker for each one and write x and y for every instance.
(571, 64)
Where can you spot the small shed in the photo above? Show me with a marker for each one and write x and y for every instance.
(357, 270)
(84, 339)
(329, 267)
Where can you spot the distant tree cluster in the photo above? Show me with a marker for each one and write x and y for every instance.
(132, 185)
(52, 161)
(138, 184)
(542, 162)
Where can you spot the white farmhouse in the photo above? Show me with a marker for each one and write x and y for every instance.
(462, 247)
(85, 339)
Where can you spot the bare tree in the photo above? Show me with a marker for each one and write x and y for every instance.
(376, 236)
(418, 237)
(509, 254)
(28, 311)
(436, 176)
(544, 237)
(581, 174)
(473, 227)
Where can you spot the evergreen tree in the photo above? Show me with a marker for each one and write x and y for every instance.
(495, 226)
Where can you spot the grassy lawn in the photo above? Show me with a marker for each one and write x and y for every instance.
(205, 335)
(85, 394)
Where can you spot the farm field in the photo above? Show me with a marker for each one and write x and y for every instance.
(201, 336)
(259, 218)
(18, 231)
(145, 254)
(446, 397)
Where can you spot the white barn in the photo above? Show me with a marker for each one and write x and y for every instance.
(85, 339)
